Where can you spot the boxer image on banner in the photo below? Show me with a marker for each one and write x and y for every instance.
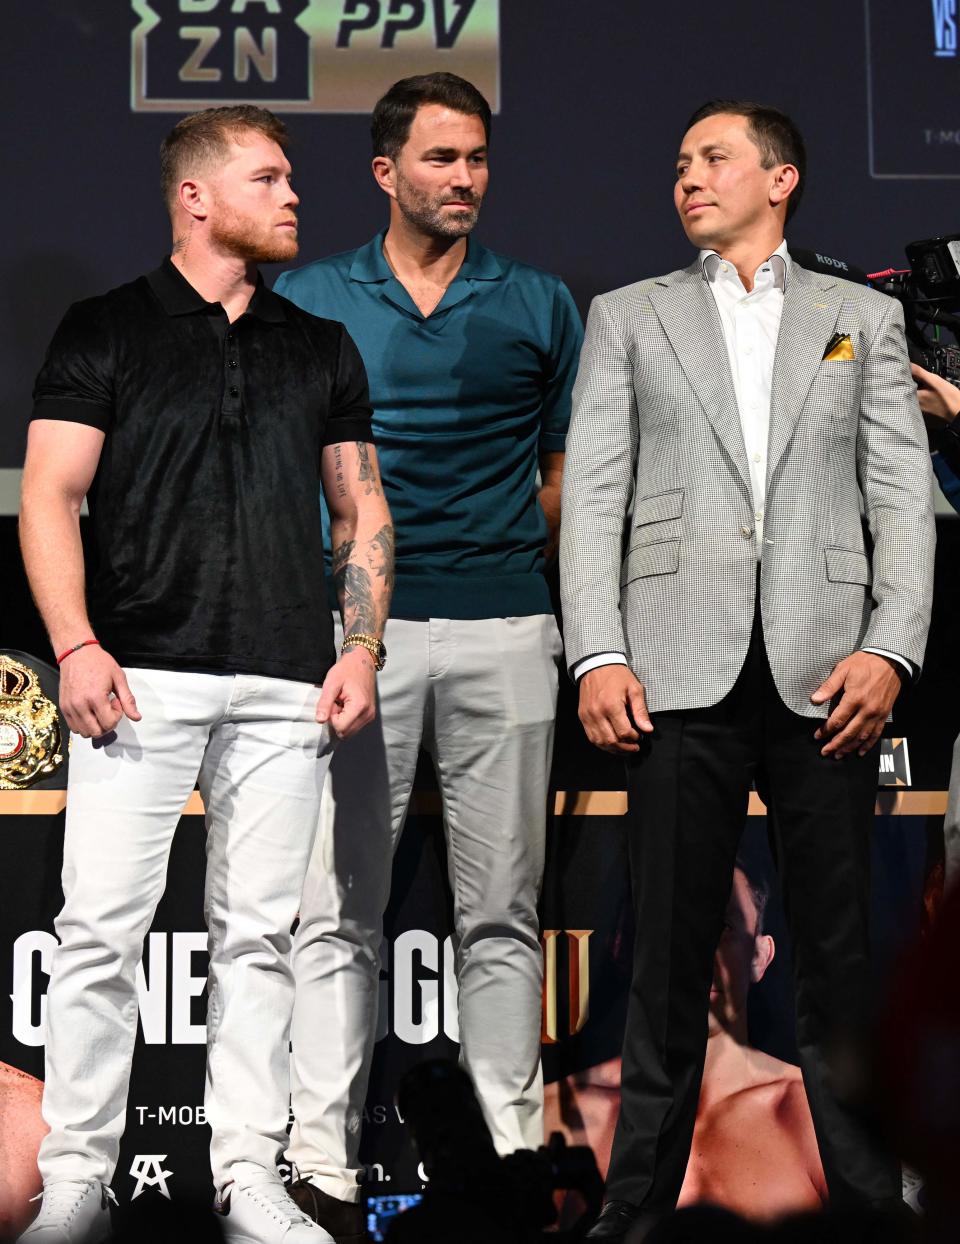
(727, 622)
(471, 358)
(200, 414)
(754, 1149)
(21, 1131)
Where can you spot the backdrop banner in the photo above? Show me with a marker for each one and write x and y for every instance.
(590, 110)
(587, 941)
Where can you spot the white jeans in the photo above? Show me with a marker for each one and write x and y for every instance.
(260, 758)
(480, 697)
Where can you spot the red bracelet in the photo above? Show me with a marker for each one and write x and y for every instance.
(76, 648)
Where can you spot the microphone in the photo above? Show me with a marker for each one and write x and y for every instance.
(826, 265)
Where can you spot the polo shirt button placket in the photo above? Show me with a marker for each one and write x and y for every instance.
(232, 365)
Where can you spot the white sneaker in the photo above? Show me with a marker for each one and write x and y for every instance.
(72, 1211)
(257, 1209)
(913, 1189)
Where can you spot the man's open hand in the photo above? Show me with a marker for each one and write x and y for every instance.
(613, 709)
(348, 699)
(868, 684)
(94, 693)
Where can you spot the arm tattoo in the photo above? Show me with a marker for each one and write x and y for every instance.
(367, 474)
(364, 590)
(341, 555)
(380, 556)
(359, 608)
(338, 470)
(352, 584)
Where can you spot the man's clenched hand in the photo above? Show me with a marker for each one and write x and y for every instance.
(348, 699)
(94, 693)
(613, 709)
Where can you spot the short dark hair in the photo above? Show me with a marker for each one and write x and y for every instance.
(393, 113)
(203, 138)
(759, 890)
(775, 135)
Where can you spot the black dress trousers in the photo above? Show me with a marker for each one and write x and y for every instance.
(688, 789)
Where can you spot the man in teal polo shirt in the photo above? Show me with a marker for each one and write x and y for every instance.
(471, 359)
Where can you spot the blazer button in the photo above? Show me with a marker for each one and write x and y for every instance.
(746, 532)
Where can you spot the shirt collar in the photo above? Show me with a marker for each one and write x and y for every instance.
(779, 263)
(178, 297)
(370, 265)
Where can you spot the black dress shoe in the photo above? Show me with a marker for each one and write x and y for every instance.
(616, 1219)
(343, 1219)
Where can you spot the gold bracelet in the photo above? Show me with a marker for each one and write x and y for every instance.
(373, 645)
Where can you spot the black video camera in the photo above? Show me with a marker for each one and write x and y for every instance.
(473, 1195)
(930, 294)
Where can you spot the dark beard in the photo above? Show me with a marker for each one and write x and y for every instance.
(427, 214)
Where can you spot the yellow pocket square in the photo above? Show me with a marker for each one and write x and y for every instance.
(839, 349)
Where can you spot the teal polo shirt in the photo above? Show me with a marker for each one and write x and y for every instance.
(463, 400)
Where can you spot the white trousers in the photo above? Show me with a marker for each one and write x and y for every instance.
(480, 697)
(260, 758)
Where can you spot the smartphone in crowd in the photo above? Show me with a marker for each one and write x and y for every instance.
(381, 1210)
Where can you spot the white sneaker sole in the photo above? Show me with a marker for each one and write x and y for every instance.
(101, 1237)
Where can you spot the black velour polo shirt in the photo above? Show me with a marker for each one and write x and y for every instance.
(207, 545)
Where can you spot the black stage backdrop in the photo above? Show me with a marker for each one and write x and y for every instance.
(591, 101)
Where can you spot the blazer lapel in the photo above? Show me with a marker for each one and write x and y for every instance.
(689, 316)
(811, 308)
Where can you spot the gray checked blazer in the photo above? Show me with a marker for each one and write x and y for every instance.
(658, 542)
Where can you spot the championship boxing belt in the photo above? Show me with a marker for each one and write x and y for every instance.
(31, 736)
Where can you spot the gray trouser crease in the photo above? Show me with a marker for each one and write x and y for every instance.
(480, 697)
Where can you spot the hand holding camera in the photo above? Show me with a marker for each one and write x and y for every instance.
(939, 398)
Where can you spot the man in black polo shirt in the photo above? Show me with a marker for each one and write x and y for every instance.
(199, 413)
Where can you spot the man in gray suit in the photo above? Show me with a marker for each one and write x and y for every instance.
(727, 621)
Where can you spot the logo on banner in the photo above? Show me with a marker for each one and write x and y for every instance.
(894, 763)
(147, 1170)
(418, 986)
(911, 62)
(944, 27)
(304, 55)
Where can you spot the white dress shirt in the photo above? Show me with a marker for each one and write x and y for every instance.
(751, 326)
